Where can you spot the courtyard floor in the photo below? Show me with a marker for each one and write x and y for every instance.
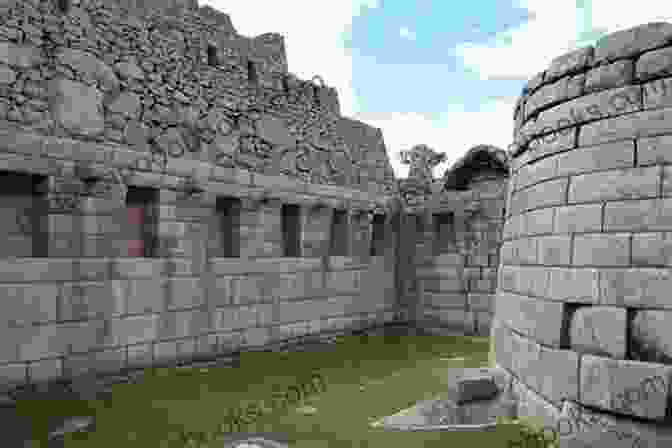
(361, 379)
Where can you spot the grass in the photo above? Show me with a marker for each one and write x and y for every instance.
(367, 378)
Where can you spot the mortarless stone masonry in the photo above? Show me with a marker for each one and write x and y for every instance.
(122, 124)
(584, 277)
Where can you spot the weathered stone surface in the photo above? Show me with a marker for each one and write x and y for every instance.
(639, 124)
(570, 62)
(89, 66)
(599, 330)
(7, 75)
(554, 250)
(652, 249)
(536, 318)
(562, 90)
(654, 150)
(600, 249)
(630, 42)
(577, 285)
(476, 388)
(637, 288)
(578, 218)
(608, 103)
(651, 336)
(127, 104)
(77, 107)
(601, 157)
(633, 183)
(19, 56)
(610, 76)
(654, 64)
(621, 386)
(657, 93)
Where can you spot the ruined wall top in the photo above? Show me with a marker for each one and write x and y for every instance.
(617, 76)
(478, 162)
(169, 76)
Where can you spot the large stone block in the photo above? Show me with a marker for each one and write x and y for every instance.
(573, 61)
(556, 374)
(653, 64)
(27, 304)
(142, 295)
(635, 215)
(22, 56)
(654, 150)
(538, 222)
(553, 250)
(578, 218)
(657, 93)
(90, 300)
(626, 387)
(78, 107)
(610, 76)
(608, 103)
(632, 183)
(601, 249)
(547, 193)
(579, 426)
(636, 288)
(647, 123)
(535, 172)
(535, 318)
(593, 158)
(652, 336)
(445, 300)
(135, 329)
(575, 285)
(652, 249)
(551, 94)
(183, 293)
(599, 330)
(633, 41)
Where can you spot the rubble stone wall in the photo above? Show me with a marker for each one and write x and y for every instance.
(583, 306)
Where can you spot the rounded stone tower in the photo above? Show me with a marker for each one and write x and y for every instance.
(583, 313)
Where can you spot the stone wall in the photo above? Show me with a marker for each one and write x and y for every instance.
(122, 126)
(147, 152)
(457, 245)
(582, 302)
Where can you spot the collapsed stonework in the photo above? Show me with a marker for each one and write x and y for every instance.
(582, 311)
(171, 192)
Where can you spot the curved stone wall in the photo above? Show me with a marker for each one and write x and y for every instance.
(585, 275)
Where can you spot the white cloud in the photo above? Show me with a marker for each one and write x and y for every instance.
(521, 52)
(406, 33)
(316, 47)
(453, 133)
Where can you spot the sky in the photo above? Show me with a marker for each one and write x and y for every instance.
(444, 73)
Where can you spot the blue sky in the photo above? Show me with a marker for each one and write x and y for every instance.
(445, 73)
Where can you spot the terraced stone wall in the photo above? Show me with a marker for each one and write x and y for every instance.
(583, 307)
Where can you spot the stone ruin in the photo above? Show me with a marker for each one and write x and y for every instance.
(583, 308)
(171, 193)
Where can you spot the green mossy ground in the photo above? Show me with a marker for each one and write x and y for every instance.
(365, 378)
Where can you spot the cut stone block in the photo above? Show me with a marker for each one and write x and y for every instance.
(476, 388)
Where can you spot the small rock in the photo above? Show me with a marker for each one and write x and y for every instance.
(476, 388)
(306, 410)
(74, 424)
